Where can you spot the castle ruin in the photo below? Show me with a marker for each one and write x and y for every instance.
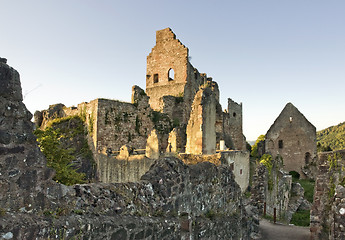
(179, 113)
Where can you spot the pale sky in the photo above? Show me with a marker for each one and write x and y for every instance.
(261, 53)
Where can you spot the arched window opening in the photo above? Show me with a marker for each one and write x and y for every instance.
(234, 114)
(171, 74)
(155, 78)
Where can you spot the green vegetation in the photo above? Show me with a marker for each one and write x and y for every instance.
(55, 213)
(162, 122)
(176, 123)
(266, 160)
(58, 156)
(307, 184)
(333, 161)
(179, 99)
(301, 218)
(295, 175)
(91, 122)
(332, 138)
(2, 212)
(254, 152)
(210, 214)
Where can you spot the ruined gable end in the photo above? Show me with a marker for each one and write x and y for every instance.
(166, 67)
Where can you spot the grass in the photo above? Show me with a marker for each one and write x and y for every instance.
(301, 218)
(308, 186)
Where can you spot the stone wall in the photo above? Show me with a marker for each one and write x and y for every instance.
(201, 131)
(170, 74)
(171, 201)
(112, 169)
(273, 190)
(169, 54)
(112, 124)
(233, 130)
(240, 159)
(327, 219)
(292, 137)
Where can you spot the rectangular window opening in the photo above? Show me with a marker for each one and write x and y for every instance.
(155, 78)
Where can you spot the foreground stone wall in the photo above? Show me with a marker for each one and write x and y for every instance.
(273, 190)
(111, 169)
(238, 161)
(23, 176)
(327, 218)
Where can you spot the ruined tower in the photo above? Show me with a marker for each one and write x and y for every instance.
(233, 130)
(169, 73)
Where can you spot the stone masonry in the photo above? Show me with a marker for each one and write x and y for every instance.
(180, 106)
(327, 215)
(201, 132)
(293, 138)
(171, 201)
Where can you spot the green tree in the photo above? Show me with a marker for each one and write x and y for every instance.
(58, 158)
(254, 152)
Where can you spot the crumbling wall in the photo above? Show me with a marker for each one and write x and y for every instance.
(112, 169)
(271, 190)
(201, 131)
(169, 54)
(232, 124)
(327, 219)
(240, 159)
(112, 124)
(25, 182)
(169, 73)
(172, 200)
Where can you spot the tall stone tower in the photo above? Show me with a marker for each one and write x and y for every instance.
(233, 126)
(169, 73)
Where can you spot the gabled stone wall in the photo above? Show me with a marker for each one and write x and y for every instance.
(292, 137)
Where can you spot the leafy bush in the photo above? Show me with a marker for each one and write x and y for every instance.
(266, 160)
(59, 158)
(254, 152)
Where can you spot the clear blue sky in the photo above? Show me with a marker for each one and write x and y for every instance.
(262, 53)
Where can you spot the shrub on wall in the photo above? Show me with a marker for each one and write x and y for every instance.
(59, 158)
(254, 152)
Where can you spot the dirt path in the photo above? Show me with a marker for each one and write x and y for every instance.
(270, 231)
